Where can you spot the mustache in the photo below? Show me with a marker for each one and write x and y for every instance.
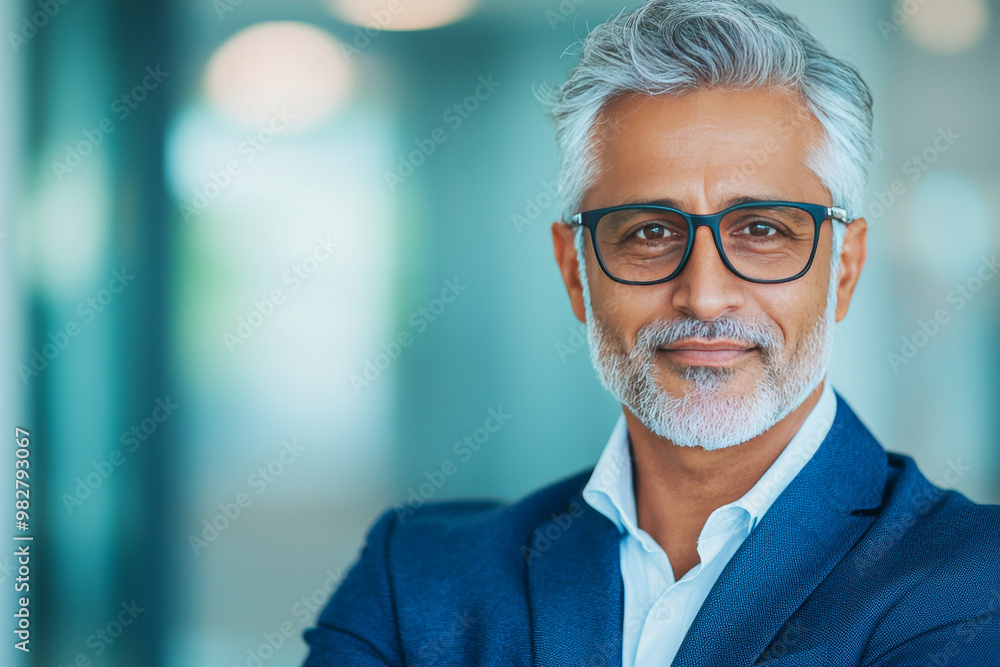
(748, 332)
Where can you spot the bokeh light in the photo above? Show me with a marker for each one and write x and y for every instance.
(71, 229)
(401, 14)
(275, 66)
(945, 26)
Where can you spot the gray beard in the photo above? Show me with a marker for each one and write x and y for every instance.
(709, 414)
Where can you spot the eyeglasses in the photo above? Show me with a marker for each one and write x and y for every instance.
(761, 242)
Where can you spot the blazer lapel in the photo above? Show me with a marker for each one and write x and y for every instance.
(798, 541)
(575, 589)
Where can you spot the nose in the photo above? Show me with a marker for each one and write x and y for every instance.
(706, 289)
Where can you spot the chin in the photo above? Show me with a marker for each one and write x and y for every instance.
(709, 407)
(724, 381)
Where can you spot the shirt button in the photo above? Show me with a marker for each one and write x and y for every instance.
(664, 612)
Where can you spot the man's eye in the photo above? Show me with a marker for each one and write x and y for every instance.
(653, 232)
(760, 230)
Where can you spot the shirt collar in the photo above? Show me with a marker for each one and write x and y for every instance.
(610, 490)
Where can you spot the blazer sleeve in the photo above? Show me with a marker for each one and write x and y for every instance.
(359, 625)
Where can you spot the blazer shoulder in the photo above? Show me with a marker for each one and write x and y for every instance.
(480, 523)
(943, 518)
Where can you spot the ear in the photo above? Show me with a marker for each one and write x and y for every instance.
(563, 239)
(852, 260)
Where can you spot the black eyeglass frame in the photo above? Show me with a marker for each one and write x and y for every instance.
(819, 213)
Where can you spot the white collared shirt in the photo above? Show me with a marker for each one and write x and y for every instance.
(658, 611)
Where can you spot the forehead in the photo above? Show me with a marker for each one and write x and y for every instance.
(706, 146)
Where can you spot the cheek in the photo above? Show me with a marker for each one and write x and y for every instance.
(628, 307)
(795, 311)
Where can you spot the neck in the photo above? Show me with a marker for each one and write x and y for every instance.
(678, 487)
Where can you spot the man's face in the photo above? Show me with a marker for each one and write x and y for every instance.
(708, 358)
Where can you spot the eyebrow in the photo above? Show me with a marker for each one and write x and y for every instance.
(673, 203)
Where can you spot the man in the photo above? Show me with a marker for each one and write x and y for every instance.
(713, 161)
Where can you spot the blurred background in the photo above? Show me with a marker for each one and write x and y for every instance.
(269, 267)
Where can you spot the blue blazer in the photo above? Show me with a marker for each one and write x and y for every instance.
(860, 561)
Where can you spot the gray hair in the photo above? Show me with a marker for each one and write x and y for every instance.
(674, 46)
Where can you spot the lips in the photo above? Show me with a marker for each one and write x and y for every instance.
(708, 353)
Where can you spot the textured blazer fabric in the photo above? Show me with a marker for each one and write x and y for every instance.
(860, 561)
